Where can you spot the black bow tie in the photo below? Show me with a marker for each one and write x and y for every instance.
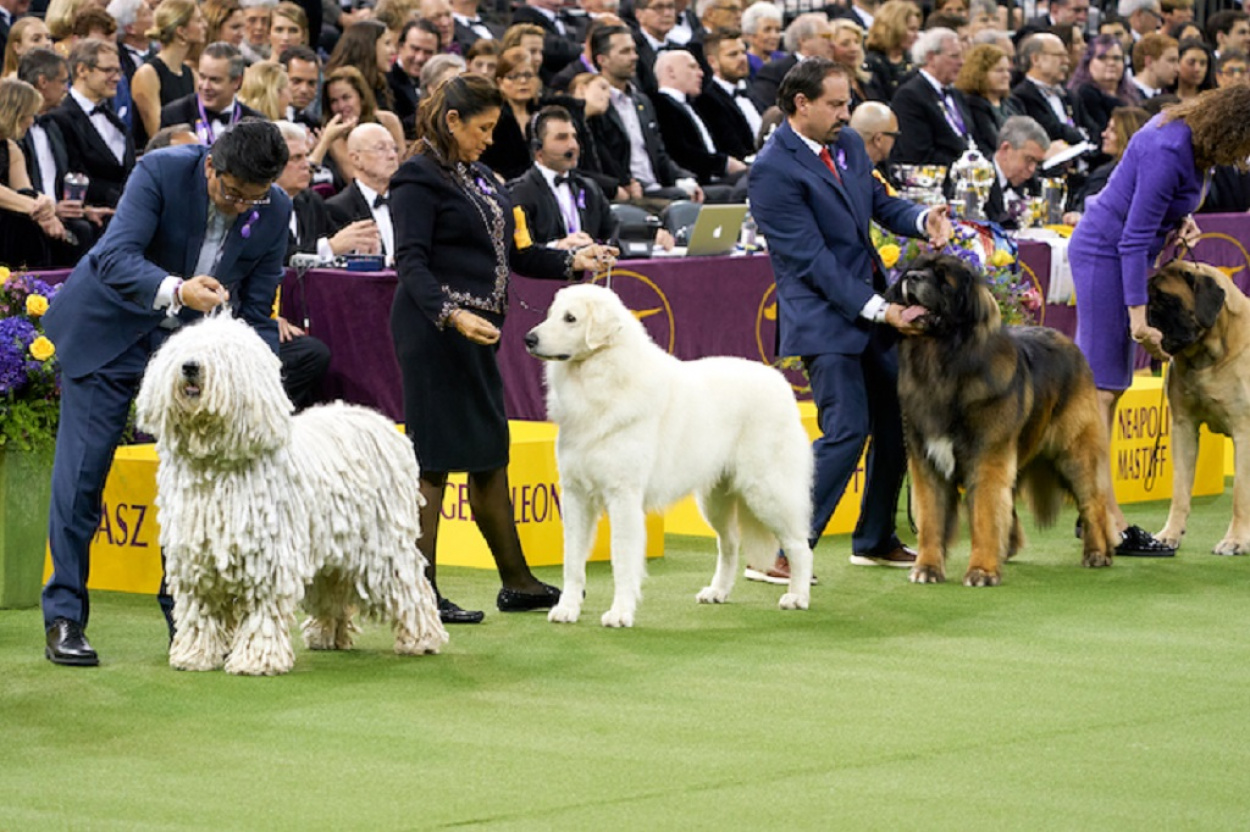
(216, 115)
(563, 179)
(102, 109)
(380, 200)
(740, 92)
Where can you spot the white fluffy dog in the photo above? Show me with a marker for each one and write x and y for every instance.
(260, 509)
(640, 429)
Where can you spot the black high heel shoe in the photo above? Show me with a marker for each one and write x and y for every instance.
(513, 600)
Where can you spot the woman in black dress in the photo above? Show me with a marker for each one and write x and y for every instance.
(456, 245)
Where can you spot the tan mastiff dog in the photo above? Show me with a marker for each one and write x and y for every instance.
(1205, 320)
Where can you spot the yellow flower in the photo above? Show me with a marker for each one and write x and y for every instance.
(36, 305)
(4, 273)
(42, 349)
(1002, 258)
(889, 255)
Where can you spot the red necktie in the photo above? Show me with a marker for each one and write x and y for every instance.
(827, 158)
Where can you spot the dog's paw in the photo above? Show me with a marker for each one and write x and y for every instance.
(1096, 560)
(196, 663)
(793, 601)
(1170, 536)
(980, 577)
(563, 614)
(712, 595)
(617, 618)
(1232, 546)
(926, 575)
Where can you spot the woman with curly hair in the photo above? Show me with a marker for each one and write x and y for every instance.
(1100, 81)
(985, 81)
(1147, 204)
(369, 47)
(894, 29)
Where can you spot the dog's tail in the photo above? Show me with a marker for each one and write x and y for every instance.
(1044, 489)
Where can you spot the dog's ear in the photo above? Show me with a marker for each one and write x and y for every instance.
(602, 324)
(1208, 300)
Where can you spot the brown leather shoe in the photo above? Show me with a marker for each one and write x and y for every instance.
(901, 557)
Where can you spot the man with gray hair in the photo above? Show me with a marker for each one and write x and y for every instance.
(937, 117)
(1042, 95)
(134, 18)
(807, 36)
(212, 109)
(1144, 17)
(1022, 145)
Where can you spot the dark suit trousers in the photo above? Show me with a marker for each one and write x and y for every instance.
(94, 410)
(856, 397)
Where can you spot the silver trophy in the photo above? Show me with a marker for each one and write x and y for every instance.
(921, 183)
(972, 176)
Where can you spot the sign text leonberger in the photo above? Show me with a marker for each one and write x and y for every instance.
(995, 411)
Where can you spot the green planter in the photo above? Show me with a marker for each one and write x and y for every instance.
(25, 492)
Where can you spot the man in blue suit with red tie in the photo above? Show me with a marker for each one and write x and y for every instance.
(813, 195)
(195, 228)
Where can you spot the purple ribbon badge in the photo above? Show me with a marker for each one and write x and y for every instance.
(246, 230)
(841, 157)
(581, 200)
(483, 186)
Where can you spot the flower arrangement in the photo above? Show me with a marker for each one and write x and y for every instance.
(30, 383)
(983, 247)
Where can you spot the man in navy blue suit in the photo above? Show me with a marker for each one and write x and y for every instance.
(196, 227)
(813, 195)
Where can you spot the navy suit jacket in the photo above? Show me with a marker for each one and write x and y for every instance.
(818, 240)
(105, 306)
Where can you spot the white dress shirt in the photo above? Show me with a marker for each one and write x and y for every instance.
(474, 25)
(743, 103)
(381, 216)
(45, 162)
(108, 131)
(564, 198)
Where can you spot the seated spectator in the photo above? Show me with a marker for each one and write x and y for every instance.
(1041, 95)
(288, 27)
(439, 13)
(585, 62)
(1022, 145)
(685, 135)
(877, 125)
(439, 68)
(937, 119)
(1100, 82)
(887, 56)
(1073, 39)
(808, 36)
(226, 23)
(761, 30)
(59, 18)
(985, 81)
(725, 104)
(1231, 67)
(31, 234)
(134, 19)
(303, 72)
(1228, 29)
(96, 140)
(418, 42)
(180, 28)
(559, 49)
(266, 90)
(563, 209)
(172, 136)
(1123, 123)
(369, 47)
(594, 94)
(848, 49)
(347, 101)
(1194, 73)
(656, 19)
(258, 15)
(470, 30)
(214, 108)
(1156, 60)
(483, 57)
(527, 36)
(27, 33)
(375, 158)
(509, 155)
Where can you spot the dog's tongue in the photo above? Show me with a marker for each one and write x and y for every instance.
(911, 313)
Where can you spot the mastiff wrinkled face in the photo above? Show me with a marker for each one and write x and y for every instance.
(1184, 303)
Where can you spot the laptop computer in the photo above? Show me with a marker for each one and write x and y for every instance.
(716, 230)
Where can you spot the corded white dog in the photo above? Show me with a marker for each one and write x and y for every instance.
(640, 429)
(260, 510)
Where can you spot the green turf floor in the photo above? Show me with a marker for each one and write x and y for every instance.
(1064, 699)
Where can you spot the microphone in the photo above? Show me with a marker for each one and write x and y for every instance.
(570, 154)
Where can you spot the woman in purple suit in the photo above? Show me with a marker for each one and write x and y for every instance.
(1146, 205)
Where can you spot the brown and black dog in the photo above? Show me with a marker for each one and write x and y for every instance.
(1205, 320)
(996, 411)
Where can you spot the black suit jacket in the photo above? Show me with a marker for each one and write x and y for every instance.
(558, 50)
(186, 110)
(684, 142)
(87, 153)
(346, 207)
(312, 218)
(1033, 104)
(60, 157)
(510, 155)
(614, 148)
(729, 127)
(466, 37)
(644, 72)
(407, 96)
(927, 138)
(542, 212)
(561, 80)
(1097, 106)
(986, 123)
(768, 79)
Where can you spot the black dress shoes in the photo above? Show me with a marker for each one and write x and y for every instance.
(452, 614)
(512, 600)
(67, 644)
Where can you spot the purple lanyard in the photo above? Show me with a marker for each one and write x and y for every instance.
(204, 126)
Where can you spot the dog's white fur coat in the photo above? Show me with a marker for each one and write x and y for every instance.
(640, 429)
(260, 510)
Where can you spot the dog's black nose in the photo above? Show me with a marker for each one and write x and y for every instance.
(531, 340)
(191, 369)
